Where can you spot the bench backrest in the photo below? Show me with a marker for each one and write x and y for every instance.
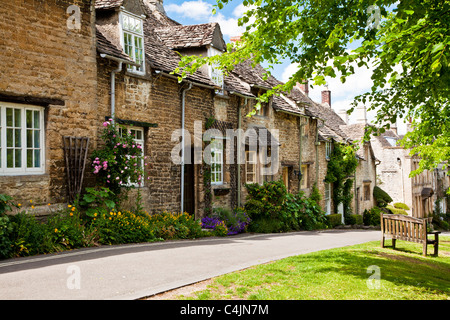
(404, 227)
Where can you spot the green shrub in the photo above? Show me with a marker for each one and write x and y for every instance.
(353, 219)
(68, 231)
(5, 237)
(400, 205)
(396, 210)
(334, 220)
(372, 217)
(29, 236)
(6, 203)
(381, 197)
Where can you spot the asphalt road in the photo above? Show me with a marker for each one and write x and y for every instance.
(134, 271)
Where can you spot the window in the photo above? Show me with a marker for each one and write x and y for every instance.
(250, 167)
(133, 40)
(138, 134)
(328, 149)
(216, 161)
(367, 192)
(304, 169)
(21, 139)
(216, 74)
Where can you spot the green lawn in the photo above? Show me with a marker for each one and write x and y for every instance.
(342, 274)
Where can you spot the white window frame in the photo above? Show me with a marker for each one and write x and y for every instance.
(139, 34)
(215, 73)
(216, 161)
(23, 169)
(253, 160)
(141, 142)
(328, 149)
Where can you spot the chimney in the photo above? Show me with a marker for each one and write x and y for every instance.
(326, 97)
(157, 5)
(394, 128)
(361, 114)
(304, 87)
(235, 38)
(343, 114)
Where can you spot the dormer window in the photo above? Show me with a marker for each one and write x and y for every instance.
(215, 73)
(133, 40)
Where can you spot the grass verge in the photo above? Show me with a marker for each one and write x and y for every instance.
(360, 272)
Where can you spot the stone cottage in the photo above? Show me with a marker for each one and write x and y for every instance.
(48, 90)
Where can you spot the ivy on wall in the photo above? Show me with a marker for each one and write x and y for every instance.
(340, 172)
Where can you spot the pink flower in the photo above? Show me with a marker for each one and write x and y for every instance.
(105, 124)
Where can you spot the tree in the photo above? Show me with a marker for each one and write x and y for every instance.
(406, 42)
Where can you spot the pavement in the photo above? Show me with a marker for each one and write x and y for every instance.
(129, 272)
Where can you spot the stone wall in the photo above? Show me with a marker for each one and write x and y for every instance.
(45, 63)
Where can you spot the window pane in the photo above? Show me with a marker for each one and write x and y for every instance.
(9, 117)
(37, 141)
(10, 158)
(36, 120)
(29, 138)
(17, 118)
(29, 119)
(18, 158)
(29, 158)
(17, 136)
(9, 138)
(37, 158)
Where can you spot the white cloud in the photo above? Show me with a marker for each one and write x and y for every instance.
(197, 10)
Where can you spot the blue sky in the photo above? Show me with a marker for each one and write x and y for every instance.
(200, 11)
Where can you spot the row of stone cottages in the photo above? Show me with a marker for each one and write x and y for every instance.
(60, 79)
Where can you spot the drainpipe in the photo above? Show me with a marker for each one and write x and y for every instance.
(317, 148)
(239, 143)
(183, 107)
(113, 78)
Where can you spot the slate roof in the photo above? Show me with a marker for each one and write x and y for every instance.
(190, 36)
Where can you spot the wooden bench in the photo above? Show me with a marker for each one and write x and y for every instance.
(398, 226)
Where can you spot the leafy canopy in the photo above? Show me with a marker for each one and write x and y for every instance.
(406, 44)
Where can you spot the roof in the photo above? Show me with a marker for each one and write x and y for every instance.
(108, 4)
(105, 46)
(160, 56)
(190, 36)
(356, 132)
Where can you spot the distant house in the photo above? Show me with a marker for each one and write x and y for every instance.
(419, 193)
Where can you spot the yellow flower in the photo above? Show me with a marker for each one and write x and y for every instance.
(32, 207)
(69, 206)
(56, 230)
(95, 214)
(31, 201)
(48, 204)
(109, 218)
(71, 214)
(73, 209)
(19, 204)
